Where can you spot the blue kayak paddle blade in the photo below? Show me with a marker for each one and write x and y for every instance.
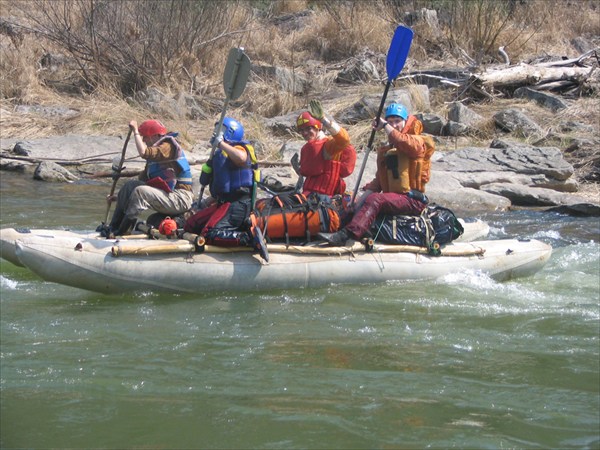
(398, 52)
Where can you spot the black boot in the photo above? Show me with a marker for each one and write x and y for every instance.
(104, 230)
(124, 228)
(116, 219)
(337, 239)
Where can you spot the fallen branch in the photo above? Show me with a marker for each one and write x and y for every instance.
(570, 62)
(525, 74)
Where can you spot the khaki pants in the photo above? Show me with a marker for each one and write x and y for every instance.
(135, 197)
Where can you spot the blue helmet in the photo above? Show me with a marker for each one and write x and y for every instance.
(233, 131)
(396, 109)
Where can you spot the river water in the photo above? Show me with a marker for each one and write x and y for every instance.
(460, 362)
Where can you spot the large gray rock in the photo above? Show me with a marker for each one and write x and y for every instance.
(478, 179)
(515, 121)
(359, 71)
(284, 125)
(583, 208)
(432, 123)
(548, 161)
(547, 100)
(521, 195)
(462, 114)
(75, 148)
(47, 111)
(50, 171)
(288, 81)
(447, 191)
(178, 105)
(452, 128)
(288, 149)
(427, 16)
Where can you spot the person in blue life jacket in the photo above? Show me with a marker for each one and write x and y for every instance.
(165, 185)
(231, 174)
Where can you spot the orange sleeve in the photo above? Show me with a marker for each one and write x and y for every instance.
(407, 144)
(337, 143)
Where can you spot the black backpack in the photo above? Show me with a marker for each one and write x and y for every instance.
(435, 227)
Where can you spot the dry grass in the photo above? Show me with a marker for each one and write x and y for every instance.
(310, 43)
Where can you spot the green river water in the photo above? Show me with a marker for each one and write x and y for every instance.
(462, 362)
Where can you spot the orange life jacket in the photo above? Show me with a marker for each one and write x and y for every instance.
(397, 171)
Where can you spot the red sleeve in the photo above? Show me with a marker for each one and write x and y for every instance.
(347, 161)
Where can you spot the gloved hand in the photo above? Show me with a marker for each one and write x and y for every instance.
(316, 109)
(216, 139)
(206, 175)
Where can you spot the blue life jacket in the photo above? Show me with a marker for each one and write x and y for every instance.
(229, 178)
(165, 171)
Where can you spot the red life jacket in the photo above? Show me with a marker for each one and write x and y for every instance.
(324, 176)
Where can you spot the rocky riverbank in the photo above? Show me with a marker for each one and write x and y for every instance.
(520, 167)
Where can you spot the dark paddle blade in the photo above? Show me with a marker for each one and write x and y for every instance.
(236, 73)
(235, 77)
(260, 244)
(398, 52)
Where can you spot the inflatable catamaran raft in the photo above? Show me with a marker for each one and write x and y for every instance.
(126, 265)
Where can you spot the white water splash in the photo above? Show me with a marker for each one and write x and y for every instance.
(547, 234)
(7, 283)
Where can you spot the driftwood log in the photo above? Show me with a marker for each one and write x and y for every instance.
(561, 76)
(530, 75)
(135, 173)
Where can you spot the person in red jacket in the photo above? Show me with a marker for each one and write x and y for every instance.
(324, 160)
(399, 181)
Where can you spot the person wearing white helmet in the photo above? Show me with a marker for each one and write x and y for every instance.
(400, 179)
(165, 185)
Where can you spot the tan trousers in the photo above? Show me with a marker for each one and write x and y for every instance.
(135, 197)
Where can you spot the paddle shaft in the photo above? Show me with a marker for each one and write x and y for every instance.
(370, 143)
(118, 174)
(394, 63)
(235, 83)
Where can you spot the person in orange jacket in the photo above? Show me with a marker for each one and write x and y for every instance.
(324, 160)
(398, 185)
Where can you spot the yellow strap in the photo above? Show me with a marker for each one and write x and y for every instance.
(253, 160)
(250, 149)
